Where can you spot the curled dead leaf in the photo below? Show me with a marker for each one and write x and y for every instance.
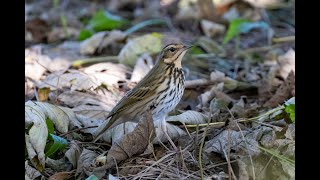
(133, 143)
(86, 164)
(189, 117)
(73, 153)
(30, 172)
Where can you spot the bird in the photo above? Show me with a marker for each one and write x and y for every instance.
(159, 91)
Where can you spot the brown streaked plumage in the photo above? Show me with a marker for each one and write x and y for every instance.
(160, 90)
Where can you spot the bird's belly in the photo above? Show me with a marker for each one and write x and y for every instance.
(167, 102)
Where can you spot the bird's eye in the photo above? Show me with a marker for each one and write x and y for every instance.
(172, 49)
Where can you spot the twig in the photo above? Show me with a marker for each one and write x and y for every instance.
(201, 145)
(157, 162)
(79, 62)
(245, 141)
(229, 166)
(238, 120)
(283, 39)
(78, 129)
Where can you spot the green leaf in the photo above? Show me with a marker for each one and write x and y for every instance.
(291, 111)
(290, 108)
(92, 177)
(84, 34)
(103, 20)
(49, 126)
(58, 145)
(196, 50)
(239, 25)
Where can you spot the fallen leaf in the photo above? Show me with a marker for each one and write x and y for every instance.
(217, 76)
(133, 143)
(57, 165)
(43, 94)
(150, 43)
(286, 63)
(189, 117)
(89, 104)
(73, 153)
(86, 164)
(61, 176)
(39, 29)
(35, 115)
(36, 63)
(211, 29)
(100, 40)
(104, 20)
(221, 142)
(73, 79)
(174, 132)
(143, 65)
(283, 92)
(30, 172)
(107, 73)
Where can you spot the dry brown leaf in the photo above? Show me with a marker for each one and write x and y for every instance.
(87, 166)
(221, 142)
(143, 65)
(133, 143)
(30, 172)
(43, 94)
(189, 117)
(283, 92)
(73, 79)
(61, 176)
(107, 73)
(173, 131)
(73, 153)
(38, 28)
(35, 63)
(89, 104)
(215, 92)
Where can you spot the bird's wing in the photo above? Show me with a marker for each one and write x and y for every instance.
(133, 97)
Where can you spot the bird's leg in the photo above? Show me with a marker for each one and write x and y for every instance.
(164, 129)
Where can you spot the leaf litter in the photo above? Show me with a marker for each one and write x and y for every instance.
(234, 114)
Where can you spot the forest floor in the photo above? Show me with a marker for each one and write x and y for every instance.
(236, 119)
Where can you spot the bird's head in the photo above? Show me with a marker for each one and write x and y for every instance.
(173, 54)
